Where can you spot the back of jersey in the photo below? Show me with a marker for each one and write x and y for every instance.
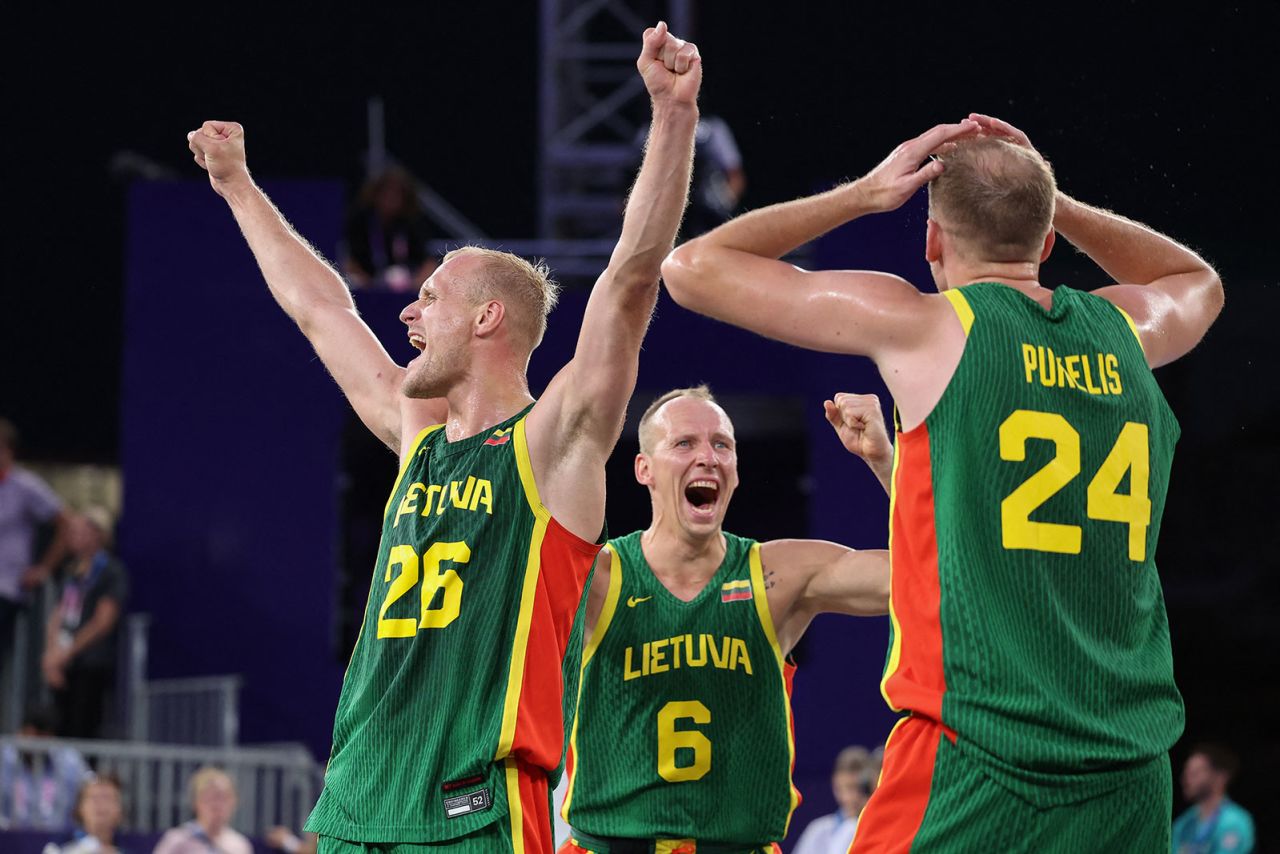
(1026, 608)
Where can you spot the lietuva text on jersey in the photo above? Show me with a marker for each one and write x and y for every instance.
(660, 656)
(469, 495)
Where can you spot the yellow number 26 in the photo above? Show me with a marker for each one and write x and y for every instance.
(434, 579)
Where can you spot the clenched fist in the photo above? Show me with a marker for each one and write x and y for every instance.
(219, 149)
(671, 67)
(859, 422)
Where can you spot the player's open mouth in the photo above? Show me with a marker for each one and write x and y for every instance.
(417, 341)
(702, 495)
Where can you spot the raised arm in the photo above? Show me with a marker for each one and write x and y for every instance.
(1172, 294)
(309, 290)
(576, 423)
(733, 273)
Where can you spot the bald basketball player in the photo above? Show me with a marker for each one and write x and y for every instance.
(683, 739)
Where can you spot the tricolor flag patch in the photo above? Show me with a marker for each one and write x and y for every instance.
(736, 591)
(499, 437)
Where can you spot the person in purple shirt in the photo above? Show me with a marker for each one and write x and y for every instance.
(26, 503)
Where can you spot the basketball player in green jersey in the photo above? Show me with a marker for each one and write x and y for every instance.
(1030, 645)
(683, 737)
(451, 716)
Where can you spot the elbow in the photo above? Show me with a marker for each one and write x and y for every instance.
(680, 273)
(1214, 294)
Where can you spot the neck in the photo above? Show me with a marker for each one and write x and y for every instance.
(1023, 275)
(1210, 805)
(488, 399)
(102, 834)
(682, 557)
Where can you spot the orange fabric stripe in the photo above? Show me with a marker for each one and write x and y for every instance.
(788, 681)
(535, 810)
(892, 817)
(565, 564)
(916, 682)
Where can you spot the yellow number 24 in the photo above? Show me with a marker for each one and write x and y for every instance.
(434, 616)
(1130, 453)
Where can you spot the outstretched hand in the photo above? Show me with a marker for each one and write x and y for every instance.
(888, 186)
(859, 422)
(671, 67)
(219, 149)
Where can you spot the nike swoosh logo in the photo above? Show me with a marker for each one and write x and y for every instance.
(633, 601)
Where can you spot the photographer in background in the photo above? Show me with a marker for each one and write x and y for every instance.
(852, 782)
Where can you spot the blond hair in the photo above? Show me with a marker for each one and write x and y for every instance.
(207, 776)
(697, 392)
(526, 289)
(995, 197)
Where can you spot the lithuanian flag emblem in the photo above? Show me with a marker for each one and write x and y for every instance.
(499, 437)
(736, 591)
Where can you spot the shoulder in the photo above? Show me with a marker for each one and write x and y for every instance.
(1236, 816)
(789, 555)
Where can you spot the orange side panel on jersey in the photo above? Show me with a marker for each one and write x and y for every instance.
(914, 679)
(892, 817)
(565, 564)
(528, 809)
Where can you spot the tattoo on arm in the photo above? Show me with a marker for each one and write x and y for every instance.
(769, 581)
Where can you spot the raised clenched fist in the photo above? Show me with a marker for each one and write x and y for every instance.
(671, 67)
(859, 422)
(219, 149)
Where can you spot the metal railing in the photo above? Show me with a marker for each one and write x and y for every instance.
(276, 785)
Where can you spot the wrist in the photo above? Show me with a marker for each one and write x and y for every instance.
(236, 188)
(666, 110)
(856, 199)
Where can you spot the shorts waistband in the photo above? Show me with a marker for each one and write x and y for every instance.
(620, 845)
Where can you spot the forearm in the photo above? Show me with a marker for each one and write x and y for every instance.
(299, 278)
(91, 632)
(658, 199)
(883, 470)
(1129, 252)
(774, 231)
(57, 548)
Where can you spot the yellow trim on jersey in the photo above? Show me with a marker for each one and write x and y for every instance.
(520, 646)
(961, 305)
(515, 809)
(1133, 327)
(408, 458)
(593, 643)
(895, 653)
(761, 598)
(525, 466)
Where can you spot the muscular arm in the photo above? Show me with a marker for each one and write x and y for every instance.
(732, 273)
(308, 289)
(575, 424)
(1172, 294)
(804, 578)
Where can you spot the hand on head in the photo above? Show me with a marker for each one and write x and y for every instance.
(991, 126)
(888, 186)
(219, 149)
(671, 67)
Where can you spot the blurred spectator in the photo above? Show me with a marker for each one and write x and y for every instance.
(39, 795)
(80, 639)
(718, 179)
(98, 813)
(1214, 824)
(284, 839)
(852, 782)
(387, 234)
(213, 796)
(26, 503)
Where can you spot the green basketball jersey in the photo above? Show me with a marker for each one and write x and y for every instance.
(684, 710)
(457, 672)
(1026, 610)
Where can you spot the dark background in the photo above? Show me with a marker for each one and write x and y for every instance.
(1162, 116)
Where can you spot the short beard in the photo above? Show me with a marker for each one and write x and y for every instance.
(432, 378)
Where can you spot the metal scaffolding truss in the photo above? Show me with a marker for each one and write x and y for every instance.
(593, 111)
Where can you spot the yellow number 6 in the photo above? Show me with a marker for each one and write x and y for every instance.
(671, 739)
